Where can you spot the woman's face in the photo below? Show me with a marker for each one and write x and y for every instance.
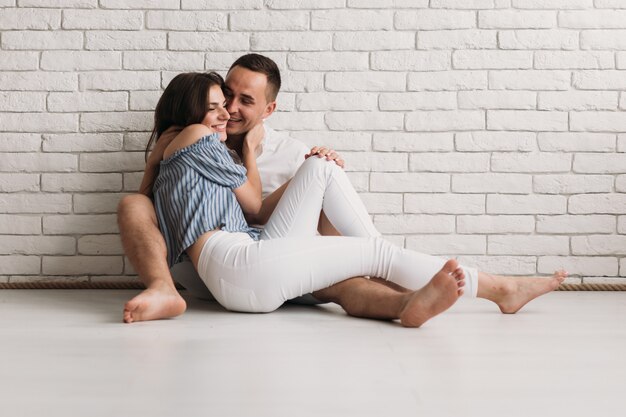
(216, 116)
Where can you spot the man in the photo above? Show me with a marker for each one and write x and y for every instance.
(253, 82)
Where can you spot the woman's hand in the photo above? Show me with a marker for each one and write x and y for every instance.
(329, 154)
(254, 137)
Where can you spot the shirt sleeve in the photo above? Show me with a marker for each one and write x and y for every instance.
(212, 161)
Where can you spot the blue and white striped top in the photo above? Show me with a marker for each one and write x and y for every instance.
(193, 195)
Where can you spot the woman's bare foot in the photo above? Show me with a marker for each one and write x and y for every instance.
(438, 295)
(157, 302)
(513, 293)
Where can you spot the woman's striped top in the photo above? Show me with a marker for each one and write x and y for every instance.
(193, 195)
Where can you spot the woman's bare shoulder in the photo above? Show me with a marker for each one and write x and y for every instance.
(188, 136)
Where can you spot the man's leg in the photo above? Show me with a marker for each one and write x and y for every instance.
(145, 248)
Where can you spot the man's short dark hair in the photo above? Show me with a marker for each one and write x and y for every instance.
(264, 65)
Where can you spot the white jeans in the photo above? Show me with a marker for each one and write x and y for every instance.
(290, 260)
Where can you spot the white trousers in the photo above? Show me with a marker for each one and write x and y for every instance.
(290, 260)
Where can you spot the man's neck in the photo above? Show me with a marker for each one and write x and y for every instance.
(235, 142)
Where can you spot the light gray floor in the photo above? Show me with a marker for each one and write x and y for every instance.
(66, 353)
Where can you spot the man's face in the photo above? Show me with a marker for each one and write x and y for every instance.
(246, 100)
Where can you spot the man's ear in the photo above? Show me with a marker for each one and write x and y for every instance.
(269, 109)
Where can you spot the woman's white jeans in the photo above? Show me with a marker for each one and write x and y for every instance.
(291, 260)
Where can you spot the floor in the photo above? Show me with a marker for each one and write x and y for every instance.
(66, 353)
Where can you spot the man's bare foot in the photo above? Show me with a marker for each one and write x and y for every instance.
(516, 292)
(438, 295)
(158, 302)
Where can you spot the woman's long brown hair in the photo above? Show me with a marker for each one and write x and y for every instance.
(184, 102)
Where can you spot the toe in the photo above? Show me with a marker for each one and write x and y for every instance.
(450, 266)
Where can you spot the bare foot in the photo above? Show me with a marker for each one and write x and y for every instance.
(438, 295)
(160, 302)
(516, 292)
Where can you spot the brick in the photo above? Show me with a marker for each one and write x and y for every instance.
(81, 182)
(575, 224)
(621, 224)
(340, 141)
(603, 39)
(112, 162)
(96, 203)
(598, 121)
(105, 122)
(38, 245)
(492, 59)
(414, 223)
(45, 40)
(22, 101)
(579, 265)
(371, 40)
(527, 120)
(40, 162)
(514, 100)
(140, 4)
(622, 267)
(528, 245)
(352, 20)
(374, 161)
(80, 224)
(328, 61)
(18, 61)
(413, 142)
(359, 180)
(516, 19)
(503, 265)
(144, 100)
(448, 81)
(599, 245)
(87, 101)
(302, 81)
(222, 5)
(526, 204)
(538, 39)
(12, 182)
(287, 41)
(382, 203)
(132, 181)
(80, 60)
(409, 182)
(38, 81)
(530, 162)
(365, 81)
(125, 40)
(610, 4)
(597, 204)
(102, 19)
(364, 121)
(35, 203)
(462, 4)
(271, 20)
(302, 4)
(448, 245)
(444, 203)
(572, 184)
(184, 20)
(495, 141)
(573, 60)
(418, 101)
(24, 18)
(410, 60)
(495, 224)
(578, 100)
(46, 122)
(18, 264)
(435, 20)
(553, 4)
(599, 80)
(75, 265)
(202, 41)
(73, 4)
(492, 183)
(119, 81)
(377, 4)
(576, 142)
(457, 39)
(449, 162)
(20, 225)
(621, 142)
(19, 142)
(297, 121)
(439, 121)
(593, 19)
(83, 142)
(529, 80)
(621, 60)
(337, 101)
(620, 183)
(159, 60)
(100, 245)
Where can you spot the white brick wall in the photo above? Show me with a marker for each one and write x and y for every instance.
(490, 129)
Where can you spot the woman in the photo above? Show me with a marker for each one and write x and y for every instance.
(202, 196)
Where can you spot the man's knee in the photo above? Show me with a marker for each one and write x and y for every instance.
(135, 207)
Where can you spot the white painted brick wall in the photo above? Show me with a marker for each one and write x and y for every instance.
(490, 129)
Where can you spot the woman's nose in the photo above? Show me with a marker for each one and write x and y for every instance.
(224, 115)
